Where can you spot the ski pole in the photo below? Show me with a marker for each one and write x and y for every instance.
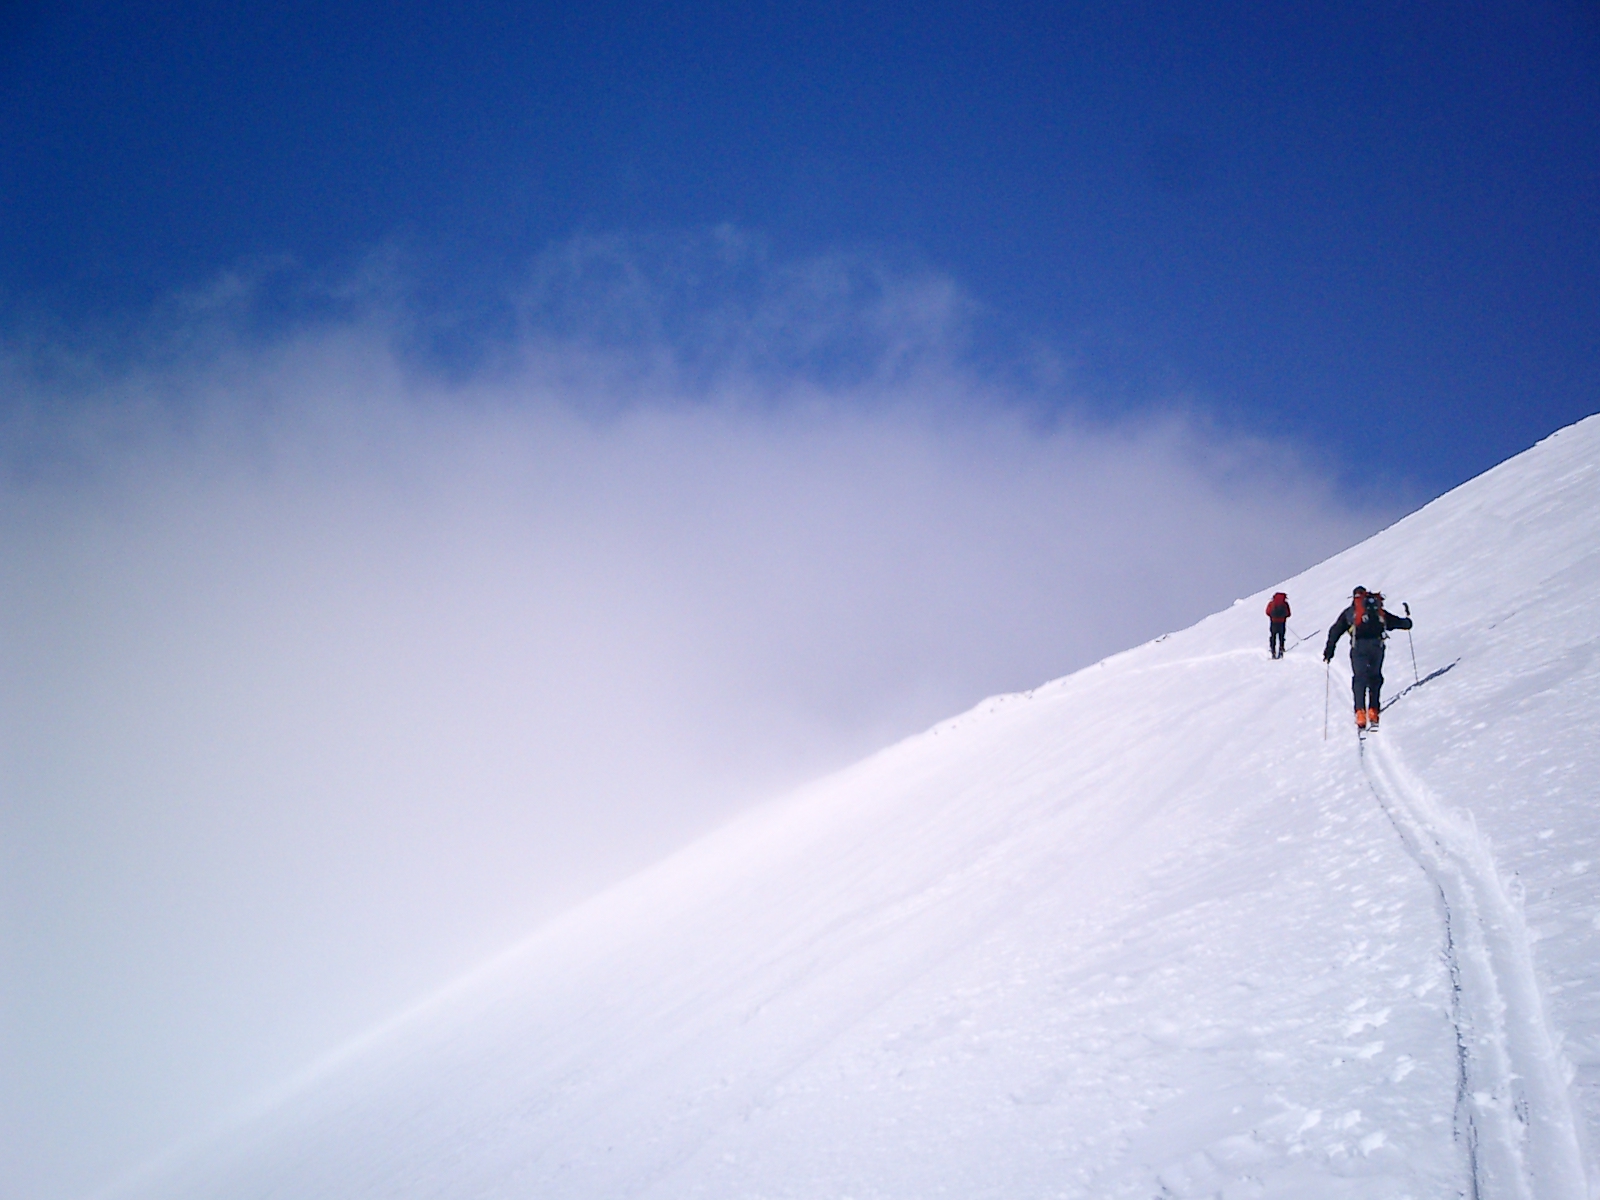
(1410, 641)
(1327, 666)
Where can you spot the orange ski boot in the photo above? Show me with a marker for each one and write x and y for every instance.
(1361, 718)
(1372, 718)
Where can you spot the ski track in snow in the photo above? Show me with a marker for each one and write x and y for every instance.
(1514, 1117)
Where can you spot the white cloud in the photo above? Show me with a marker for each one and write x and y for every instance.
(325, 677)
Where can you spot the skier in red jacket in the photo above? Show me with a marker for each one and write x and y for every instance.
(1278, 614)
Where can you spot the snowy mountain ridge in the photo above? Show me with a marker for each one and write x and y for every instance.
(1139, 932)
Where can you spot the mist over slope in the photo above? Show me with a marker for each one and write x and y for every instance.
(1141, 931)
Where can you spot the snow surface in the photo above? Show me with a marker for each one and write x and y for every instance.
(1141, 932)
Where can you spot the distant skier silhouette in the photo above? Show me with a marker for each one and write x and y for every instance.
(1366, 622)
(1278, 615)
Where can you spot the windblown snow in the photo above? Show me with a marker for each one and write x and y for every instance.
(1141, 932)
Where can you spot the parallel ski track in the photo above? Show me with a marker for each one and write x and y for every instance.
(1514, 1116)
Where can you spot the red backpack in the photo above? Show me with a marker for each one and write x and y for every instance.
(1367, 612)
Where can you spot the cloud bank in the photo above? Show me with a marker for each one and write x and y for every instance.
(331, 665)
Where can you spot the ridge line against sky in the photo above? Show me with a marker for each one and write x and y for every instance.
(327, 675)
(1467, 510)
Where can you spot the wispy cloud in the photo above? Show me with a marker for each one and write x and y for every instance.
(328, 671)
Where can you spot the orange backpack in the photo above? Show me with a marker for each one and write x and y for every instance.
(1367, 612)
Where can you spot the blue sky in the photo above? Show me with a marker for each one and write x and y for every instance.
(1283, 214)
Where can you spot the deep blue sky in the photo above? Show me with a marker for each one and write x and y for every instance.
(1371, 227)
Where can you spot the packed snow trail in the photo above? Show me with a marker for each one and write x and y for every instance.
(1513, 1112)
(1140, 932)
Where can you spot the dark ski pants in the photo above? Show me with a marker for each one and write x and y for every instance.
(1275, 638)
(1366, 672)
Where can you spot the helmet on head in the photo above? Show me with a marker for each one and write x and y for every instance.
(1358, 591)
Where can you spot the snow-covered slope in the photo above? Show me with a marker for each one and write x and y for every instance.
(1140, 932)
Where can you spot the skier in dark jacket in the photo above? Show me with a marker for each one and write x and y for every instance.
(1278, 617)
(1367, 622)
